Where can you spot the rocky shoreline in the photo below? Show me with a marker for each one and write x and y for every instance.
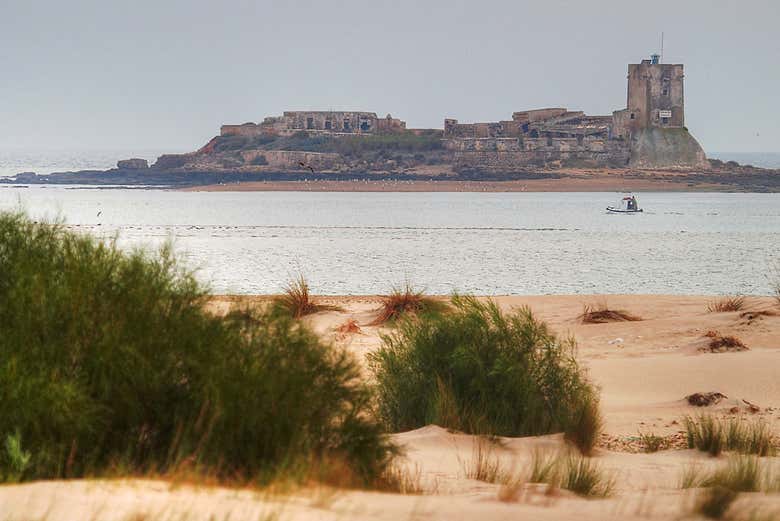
(720, 178)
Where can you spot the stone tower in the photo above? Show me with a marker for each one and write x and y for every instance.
(653, 123)
(655, 95)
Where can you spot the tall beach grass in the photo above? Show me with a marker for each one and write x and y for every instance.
(480, 370)
(108, 361)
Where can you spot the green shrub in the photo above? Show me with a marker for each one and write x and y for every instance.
(479, 370)
(107, 359)
(16, 459)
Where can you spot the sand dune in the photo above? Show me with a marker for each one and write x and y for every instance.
(645, 369)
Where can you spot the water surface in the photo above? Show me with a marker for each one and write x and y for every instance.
(485, 243)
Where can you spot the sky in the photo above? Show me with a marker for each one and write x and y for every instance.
(157, 74)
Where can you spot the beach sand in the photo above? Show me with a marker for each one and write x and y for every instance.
(644, 369)
(569, 180)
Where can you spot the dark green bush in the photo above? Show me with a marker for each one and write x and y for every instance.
(227, 143)
(479, 370)
(108, 360)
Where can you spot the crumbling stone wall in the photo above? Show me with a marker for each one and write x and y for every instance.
(293, 159)
(334, 122)
(246, 129)
(509, 153)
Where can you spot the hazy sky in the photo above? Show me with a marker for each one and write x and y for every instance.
(165, 74)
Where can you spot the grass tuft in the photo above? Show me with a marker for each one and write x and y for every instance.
(481, 371)
(576, 473)
(404, 302)
(584, 477)
(545, 467)
(652, 442)
(484, 464)
(726, 304)
(724, 484)
(296, 300)
(601, 314)
(121, 369)
(401, 480)
(715, 502)
(586, 425)
(713, 436)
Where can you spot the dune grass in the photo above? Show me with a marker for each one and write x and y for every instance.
(726, 304)
(712, 435)
(573, 472)
(401, 480)
(482, 371)
(406, 301)
(110, 365)
(601, 314)
(723, 485)
(484, 464)
(652, 442)
(296, 300)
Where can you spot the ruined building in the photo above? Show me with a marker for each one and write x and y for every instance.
(330, 122)
(649, 132)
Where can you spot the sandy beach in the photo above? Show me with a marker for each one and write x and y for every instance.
(645, 369)
(569, 181)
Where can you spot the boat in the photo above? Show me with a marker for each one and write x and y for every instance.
(628, 204)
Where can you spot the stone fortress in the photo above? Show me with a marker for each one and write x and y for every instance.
(648, 133)
(323, 122)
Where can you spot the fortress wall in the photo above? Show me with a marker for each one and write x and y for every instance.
(507, 153)
(247, 129)
(291, 159)
(335, 121)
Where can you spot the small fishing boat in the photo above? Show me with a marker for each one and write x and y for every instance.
(628, 204)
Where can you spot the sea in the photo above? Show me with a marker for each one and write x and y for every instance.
(479, 243)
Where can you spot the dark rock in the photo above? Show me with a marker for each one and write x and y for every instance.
(132, 164)
(705, 399)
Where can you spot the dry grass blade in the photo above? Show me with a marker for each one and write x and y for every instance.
(296, 300)
(349, 327)
(601, 314)
(726, 304)
(401, 480)
(485, 465)
(405, 301)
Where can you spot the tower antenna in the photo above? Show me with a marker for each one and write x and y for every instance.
(662, 46)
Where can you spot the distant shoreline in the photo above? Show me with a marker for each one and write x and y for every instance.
(558, 185)
(736, 179)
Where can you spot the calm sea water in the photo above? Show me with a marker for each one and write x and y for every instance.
(485, 243)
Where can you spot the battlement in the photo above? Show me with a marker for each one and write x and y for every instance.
(332, 122)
